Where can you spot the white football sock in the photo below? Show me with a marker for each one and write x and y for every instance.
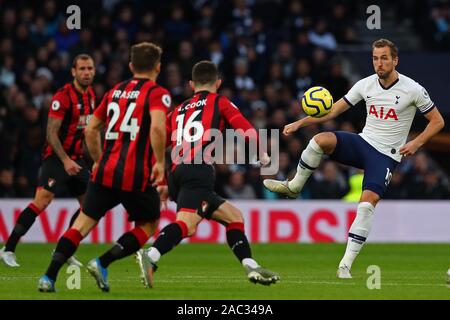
(249, 262)
(154, 254)
(309, 161)
(358, 232)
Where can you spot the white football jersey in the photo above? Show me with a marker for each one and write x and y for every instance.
(390, 111)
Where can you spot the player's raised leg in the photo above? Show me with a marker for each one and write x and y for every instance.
(320, 144)
(26, 219)
(359, 231)
(169, 237)
(66, 247)
(231, 218)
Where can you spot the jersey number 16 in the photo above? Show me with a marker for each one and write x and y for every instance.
(191, 124)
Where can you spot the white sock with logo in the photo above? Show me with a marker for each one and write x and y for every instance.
(309, 161)
(358, 233)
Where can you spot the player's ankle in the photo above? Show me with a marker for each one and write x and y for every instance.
(294, 186)
(348, 259)
(154, 254)
(249, 262)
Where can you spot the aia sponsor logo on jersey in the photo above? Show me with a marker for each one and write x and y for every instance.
(383, 113)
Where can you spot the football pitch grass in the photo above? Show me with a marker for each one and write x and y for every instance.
(210, 271)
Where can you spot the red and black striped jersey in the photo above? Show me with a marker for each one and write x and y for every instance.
(190, 124)
(74, 109)
(127, 158)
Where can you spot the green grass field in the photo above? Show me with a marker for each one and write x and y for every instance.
(200, 271)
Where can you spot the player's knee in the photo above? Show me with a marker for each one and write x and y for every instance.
(188, 227)
(43, 200)
(370, 196)
(237, 216)
(191, 229)
(234, 216)
(326, 140)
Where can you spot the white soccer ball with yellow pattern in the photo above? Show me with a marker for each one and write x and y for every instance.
(317, 102)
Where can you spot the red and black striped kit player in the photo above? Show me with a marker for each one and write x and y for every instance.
(191, 179)
(126, 160)
(204, 112)
(191, 125)
(74, 109)
(64, 167)
(71, 110)
(133, 117)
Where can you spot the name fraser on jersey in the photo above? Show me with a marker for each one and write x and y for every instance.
(119, 94)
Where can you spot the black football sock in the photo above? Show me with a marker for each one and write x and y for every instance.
(237, 240)
(170, 236)
(74, 217)
(23, 224)
(65, 248)
(127, 244)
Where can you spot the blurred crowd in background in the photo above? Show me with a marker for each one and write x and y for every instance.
(269, 53)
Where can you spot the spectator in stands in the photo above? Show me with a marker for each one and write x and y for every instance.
(397, 188)
(321, 37)
(328, 183)
(237, 188)
(433, 187)
(302, 79)
(441, 20)
(7, 183)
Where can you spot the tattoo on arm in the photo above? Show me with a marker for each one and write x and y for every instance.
(53, 126)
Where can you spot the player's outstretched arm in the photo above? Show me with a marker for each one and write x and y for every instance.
(435, 124)
(339, 107)
(93, 139)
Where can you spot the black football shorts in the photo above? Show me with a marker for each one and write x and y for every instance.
(191, 186)
(140, 206)
(54, 178)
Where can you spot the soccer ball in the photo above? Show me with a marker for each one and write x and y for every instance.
(317, 102)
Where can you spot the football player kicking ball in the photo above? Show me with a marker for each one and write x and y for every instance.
(191, 180)
(391, 101)
(134, 114)
(64, 162)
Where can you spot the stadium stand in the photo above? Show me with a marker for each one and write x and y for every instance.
(269, 53)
